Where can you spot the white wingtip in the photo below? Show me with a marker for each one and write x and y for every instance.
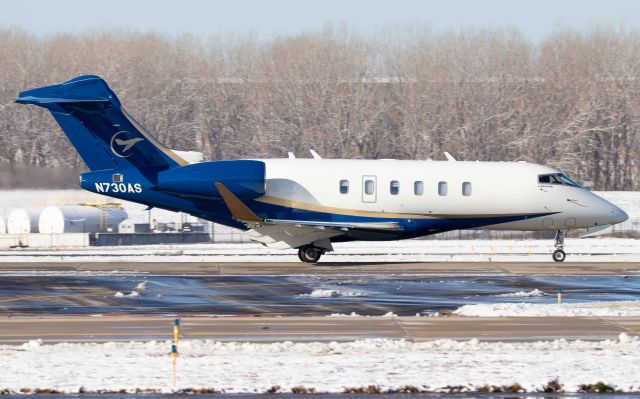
(450, 158)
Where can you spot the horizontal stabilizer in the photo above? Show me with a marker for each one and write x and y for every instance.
(103, 133)
(51, 100)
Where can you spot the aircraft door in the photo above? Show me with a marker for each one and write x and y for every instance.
(369, 188)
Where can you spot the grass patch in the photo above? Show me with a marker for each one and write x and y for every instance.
(303, 390)
(598, 387)
(371, 389)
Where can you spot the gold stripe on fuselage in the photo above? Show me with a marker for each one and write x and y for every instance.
(375, 214)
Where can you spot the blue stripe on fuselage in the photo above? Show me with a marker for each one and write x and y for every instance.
(411, 227)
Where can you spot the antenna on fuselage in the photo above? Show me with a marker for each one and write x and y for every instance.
(450, 157)
(315, 154)
(291, 155)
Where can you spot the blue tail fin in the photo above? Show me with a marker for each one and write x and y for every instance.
(103, 133)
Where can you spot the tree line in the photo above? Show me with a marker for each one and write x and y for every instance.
(571, 100)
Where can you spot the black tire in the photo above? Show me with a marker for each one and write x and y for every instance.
(309, 254)
(559, 255)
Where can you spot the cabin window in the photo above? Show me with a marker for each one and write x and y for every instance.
(344, 186)
(418, 187)
(466, 189)
(369, 187)
(442, 188)
(394, 187)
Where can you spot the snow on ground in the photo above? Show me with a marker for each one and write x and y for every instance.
(578, 250)
(522, 294)
(132, 294)
(354, 314)
(586, 309)
(322, 293)
(325, 367)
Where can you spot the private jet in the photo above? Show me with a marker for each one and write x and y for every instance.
(310, 203)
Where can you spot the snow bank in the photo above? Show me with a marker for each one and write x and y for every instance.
(354, 314)
(323, 367)
(132, 294)
(593, 309)
(320, 293)
(525, 294)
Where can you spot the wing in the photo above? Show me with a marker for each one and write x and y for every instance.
(284, 234)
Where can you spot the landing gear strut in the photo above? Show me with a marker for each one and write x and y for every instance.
(310, 254)
(558, 254)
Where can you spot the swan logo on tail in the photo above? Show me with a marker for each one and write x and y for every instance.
(121, 145)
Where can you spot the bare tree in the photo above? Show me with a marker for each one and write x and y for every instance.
(571, 101)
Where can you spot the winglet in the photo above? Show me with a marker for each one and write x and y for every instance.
(238, 209)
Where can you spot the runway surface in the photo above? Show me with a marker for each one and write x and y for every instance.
(74, 293)
(549, 268)
(141, 293)
(306, 329)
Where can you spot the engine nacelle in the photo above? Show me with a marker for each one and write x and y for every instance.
(244, 178)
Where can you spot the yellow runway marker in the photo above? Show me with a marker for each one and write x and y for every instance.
(174, 358)
(176, 331)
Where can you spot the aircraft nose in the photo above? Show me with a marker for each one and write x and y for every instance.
(618, 215)
(604, 212)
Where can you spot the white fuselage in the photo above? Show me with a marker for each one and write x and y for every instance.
(492, 188)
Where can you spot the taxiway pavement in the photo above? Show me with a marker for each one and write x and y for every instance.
(305, 329)
(328, 268)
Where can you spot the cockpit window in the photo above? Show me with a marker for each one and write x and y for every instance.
(569, 181)
(557, 178)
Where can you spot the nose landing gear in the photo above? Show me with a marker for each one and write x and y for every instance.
(559, 255)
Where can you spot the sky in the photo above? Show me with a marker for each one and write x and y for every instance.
(267, 19)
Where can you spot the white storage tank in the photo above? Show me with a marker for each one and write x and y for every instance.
(23, 221)
(80, 219)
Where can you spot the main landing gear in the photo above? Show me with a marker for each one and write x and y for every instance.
(558, 254)
(310, 253)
